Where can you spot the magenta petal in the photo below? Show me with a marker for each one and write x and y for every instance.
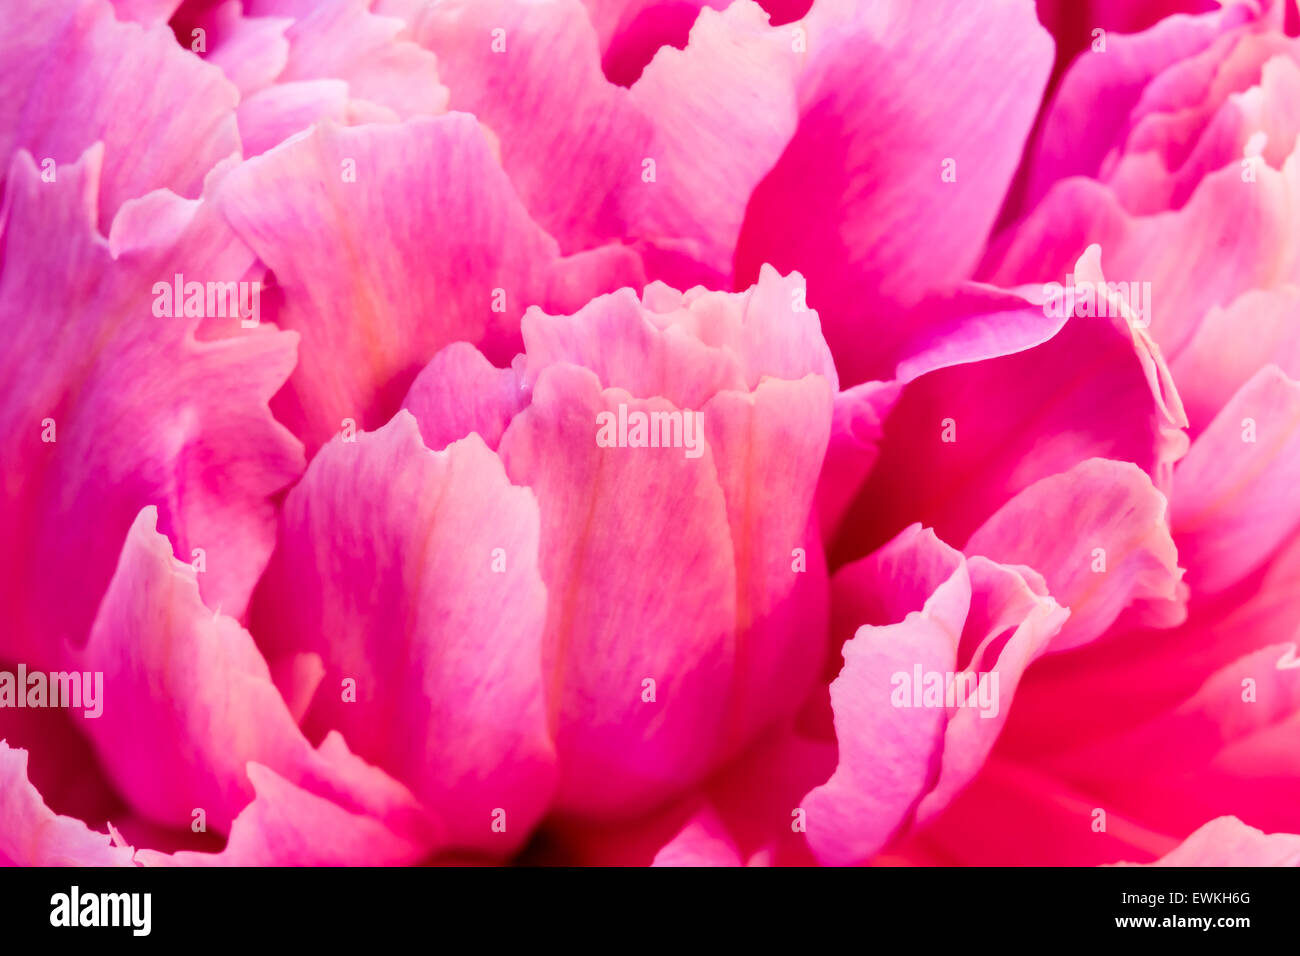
(857, 428)
(1234, 494)
(189, 705)
(461, 392)
(1226, 841)
(702, 842)
(437, 249)
(897, 758)
(546, 119)
(140, 411)
(33, 835)
(857, 201)
(1017, 396)
(1075, 135)
(286, 825)
(64, 89)
(1164, 248)
(621, 530)
(431, 606)
(343, 39)
(1116, 552)
(1227, 749)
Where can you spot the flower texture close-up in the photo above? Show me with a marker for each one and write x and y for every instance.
(650, 432)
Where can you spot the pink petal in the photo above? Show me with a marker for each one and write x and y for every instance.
(1077, 213)
(33, 835)
(461, 392)
(430, 231)
(1147, 181)
(546, 119)
(892, 758)
(768, 448)
(1234, 500)
(1001, 411)
(270, 116)
(1219, 359)
(286, 825)
(439, 638)
(688, 351)
(1226, 841)
(251, 51)
(702, 842)
(342, 39)
(636, 553)
(1075, 137)
(856, 201)
(146, 11)
(1099, 536)
(723, 111)
(64, 89)
(706, 163)
(144, 413)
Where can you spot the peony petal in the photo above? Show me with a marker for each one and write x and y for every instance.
(435, 249)
(286, 825)
(461, 392)
(1147, 181)
(785, 426)
(547, 120)
(431, 605)
(251, 51)
(1229, 748)
(64, 89)
(689, 350)
(1234, 500)
(857, 428)
(342, 39)
(188, 705)
(659, 162)
(632, 31)
(637, 557)
(1076, 213)
(896, 762)
(269, 117)
(33, 835)
(702, 842)
(134, 409)
(1226, 841)
(1075, 137)
(1001, 412)
(1219, 359)
(1117, 551)
(1052, 824)
(857, 201)
(723, 111)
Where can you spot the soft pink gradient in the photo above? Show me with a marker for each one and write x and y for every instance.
(365, 588)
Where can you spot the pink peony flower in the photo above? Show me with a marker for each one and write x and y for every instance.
(649, 431)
